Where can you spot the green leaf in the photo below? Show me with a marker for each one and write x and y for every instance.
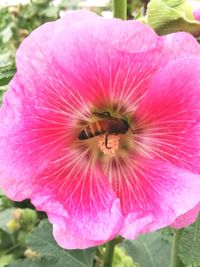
(1, 192)
(51, 12)
(5, 203)
(189, 246)
(6, 216)
(5, 240)
(42, 241)
(6, 74)
(166, 16)
(46, 262)
(149, 250)
(5, 58)
(173, 3)
(6, 259)
(167, 233)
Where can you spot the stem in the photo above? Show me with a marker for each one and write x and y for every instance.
(176, 261)
(120, 9)
(144, 6)
(196, 227)
(108, 255)
(12, 248)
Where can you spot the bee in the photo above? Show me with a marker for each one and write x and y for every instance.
(106, 124)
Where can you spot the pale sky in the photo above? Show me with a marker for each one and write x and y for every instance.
(13, 2)
(86, 3)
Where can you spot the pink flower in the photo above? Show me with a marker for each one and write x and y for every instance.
(195, 4)
(69, 74)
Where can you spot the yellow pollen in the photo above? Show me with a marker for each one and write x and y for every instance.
(112, 144)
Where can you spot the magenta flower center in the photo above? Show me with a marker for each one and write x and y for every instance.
(108, 132)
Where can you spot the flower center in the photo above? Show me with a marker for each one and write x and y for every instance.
(106, 133)
(109, 144)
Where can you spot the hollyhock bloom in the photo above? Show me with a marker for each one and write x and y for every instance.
(77, 77)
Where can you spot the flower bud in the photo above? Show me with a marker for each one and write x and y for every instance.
(28, 219)
(167, 16)
(121, 259)
(13, 225)
(25, 218)
(17, 214)
(31, 254)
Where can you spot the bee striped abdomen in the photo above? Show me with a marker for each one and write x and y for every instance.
(92, 130)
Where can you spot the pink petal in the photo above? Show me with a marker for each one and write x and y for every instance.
(78, 16)
(179, 45)
(38, 111)
(170, 115)
(63, 231)
(33, 57)
(156, 194)
(195, 4)
(107, 60)
(76, 197)
(111, 60)
(196, 14)
(85, 193)
(187, 218)
(69, 239)
(33, 129)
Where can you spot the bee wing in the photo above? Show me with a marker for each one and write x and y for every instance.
(102, 115)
